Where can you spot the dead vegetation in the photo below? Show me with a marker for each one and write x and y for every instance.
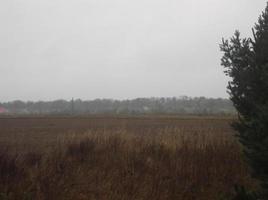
(157, 158)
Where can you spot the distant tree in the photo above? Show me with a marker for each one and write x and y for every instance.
(246, 62)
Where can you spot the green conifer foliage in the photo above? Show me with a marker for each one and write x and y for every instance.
(246, 62)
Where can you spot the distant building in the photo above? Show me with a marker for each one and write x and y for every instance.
(3, 110)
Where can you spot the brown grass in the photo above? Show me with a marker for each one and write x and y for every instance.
(119, 158)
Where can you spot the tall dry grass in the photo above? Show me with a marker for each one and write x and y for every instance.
(117, 164)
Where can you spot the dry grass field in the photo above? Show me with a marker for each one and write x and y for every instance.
(120, 158)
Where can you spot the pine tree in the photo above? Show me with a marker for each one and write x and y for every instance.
(246, 62)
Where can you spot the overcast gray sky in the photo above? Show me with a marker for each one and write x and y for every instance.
(59, 49)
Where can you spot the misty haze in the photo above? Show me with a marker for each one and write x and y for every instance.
(134, 100)
(117, 49)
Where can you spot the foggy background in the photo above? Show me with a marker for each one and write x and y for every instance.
(59, 49)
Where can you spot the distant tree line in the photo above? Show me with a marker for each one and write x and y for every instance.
(182, 105)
